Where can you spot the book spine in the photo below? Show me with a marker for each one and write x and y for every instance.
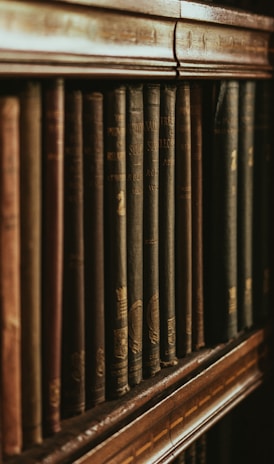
(10, 302)
(116, 242)
(135, 153)
(197, 216)
(53, 193)
(73, 339)
(183, 244)
(245, 202)
(94, 246)
(151, 318)
(167, 225)
(261, 221)
(201, 449)
(224, 217)
(190, 454)
(30, 206)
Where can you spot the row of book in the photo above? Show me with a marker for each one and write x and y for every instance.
(132, 216)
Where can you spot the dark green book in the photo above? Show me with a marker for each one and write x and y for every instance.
(73, 337)
(134, 161)
(116, 243)
(196, 110)
(262, 212)
(245, 203)
(93, 140)
(31, 218)
(223, 246)
(52, 226)
(167, 225)
(183, 231)
(151, 319)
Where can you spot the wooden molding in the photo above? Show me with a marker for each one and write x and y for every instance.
(163, 415)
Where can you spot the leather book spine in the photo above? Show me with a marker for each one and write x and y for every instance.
(31, 217)
(116, 242)
(10, 298)
(224, 212)
(53, 207)
(196, 99)
(183, 224)
(151, 318)
(167, 225)
(245, 202)
(262, 211)
(93, 134)
(135, 156)
(73, 338)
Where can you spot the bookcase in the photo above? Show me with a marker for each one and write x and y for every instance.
(102, 45)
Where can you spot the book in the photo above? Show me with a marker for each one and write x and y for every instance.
(201, 454)
(190, 454)
(223, 245)
(151, 317)
(52, 253)
(134, 169)
(73, 337)
(245, 203)
(30, 237)
(196, 112)
(93, 139)
(183, 223)
(116, 242)
(261, 205)
(10, 297)
(167, 225)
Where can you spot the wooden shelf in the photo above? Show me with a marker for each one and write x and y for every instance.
(163, 415)
(92, 38)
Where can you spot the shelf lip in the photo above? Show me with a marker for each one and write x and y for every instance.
(56, 34)
(228, 16)
(167, 8)
(118, 426)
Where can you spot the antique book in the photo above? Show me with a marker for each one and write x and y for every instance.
(31, 217)
(134, 168)
(183, 238)
(151, 318)
(245, 203)
(53, 199)
(223, 233)
(167, 225)
(73, 337)
(116, 241)
(196, 111)
(93, 140)
(10, 298)
(261, 205)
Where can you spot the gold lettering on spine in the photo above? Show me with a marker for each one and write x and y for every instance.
(121, 302)
(121, 208)
(232, 300)
(153, 319)
(77, 366)
(171, 331)
(54, 393)
(248, 290)
(120, 342)
(135, 327)
(100, 362)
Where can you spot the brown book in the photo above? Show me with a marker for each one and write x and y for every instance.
(197, 216)
(135, 154)
(183, 240)
(116, 244)
(53, 180)
(73, 339)
(167, 225)
(223, 239)
(245, 203)
(31, 217)
(151, 319)
(94, 246)
(10, 302)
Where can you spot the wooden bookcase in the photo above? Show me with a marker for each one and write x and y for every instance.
(163, 39)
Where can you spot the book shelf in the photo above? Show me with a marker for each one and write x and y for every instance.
(171, 41)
